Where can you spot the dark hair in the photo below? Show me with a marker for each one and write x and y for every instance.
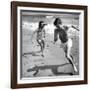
(40, 23)
(57, 21)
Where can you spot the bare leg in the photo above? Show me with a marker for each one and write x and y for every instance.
(42, 47)
(40, 44)
(70, 58)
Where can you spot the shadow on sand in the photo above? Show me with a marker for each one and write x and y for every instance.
(54, 69)
(33, 53)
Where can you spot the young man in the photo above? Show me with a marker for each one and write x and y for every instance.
(40, 36)
(66, 41)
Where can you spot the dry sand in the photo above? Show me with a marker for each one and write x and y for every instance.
(53, 63)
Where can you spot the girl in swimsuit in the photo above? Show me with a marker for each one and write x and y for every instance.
(40, 36)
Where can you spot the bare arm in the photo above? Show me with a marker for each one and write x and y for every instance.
(44, 32)
(75, 28)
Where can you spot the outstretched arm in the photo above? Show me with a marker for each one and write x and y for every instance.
(75, 28)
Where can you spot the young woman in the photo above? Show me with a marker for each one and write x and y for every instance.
(66, 42)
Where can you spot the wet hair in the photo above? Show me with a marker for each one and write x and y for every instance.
(57, 21)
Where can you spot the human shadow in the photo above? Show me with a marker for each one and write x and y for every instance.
(33, 53)
(54, 69)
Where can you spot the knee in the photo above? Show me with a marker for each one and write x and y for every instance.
(67, 55)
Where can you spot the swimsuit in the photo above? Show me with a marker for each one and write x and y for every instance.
(40, 35)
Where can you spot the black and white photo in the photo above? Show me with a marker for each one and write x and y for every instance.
(50, 44)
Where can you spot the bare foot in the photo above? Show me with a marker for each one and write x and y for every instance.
(75, 69)
(42, 55)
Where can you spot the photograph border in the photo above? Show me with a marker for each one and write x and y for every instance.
(14, 5)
